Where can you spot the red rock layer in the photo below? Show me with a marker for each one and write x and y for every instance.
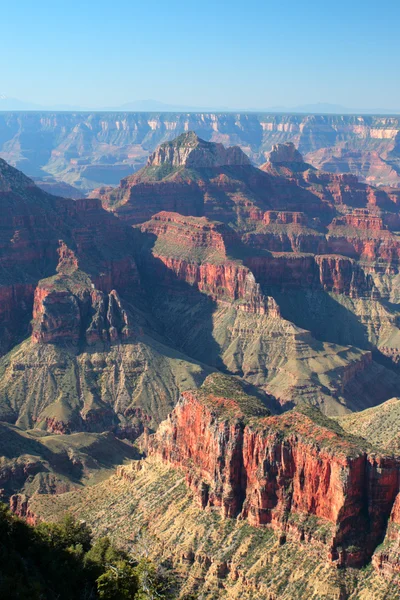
(138, 202)
(387, 559)
(383, 247)
(229, 281)
(361, 218)
(39, 233)
(191, 232)
(343, 275)
(332, 273)
(280, 471)
(19, 505)
(59, 314)
(284, 217)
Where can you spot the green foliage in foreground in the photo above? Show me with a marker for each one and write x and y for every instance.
(59, 560)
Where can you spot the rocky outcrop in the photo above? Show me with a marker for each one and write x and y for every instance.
(65, 311)
(281, 471)
(285, 153)
(19, 505)
(342, 275)
(191, 151)
(285, 217)
(56, 316)
(332, 273)
(361, 218)
(41, 234)
(286, 270)
(191, 233)
(386, 559)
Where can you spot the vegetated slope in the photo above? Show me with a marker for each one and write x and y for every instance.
(92, 149)
(69, 278)
(380, 425)
(34, 462)
(126, 320)
(60, 560)
(298, 475)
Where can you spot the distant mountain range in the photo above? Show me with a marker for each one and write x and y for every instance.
(14, 104)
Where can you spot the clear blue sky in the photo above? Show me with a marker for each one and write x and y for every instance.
(239, 54)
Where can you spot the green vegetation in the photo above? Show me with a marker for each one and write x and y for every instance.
(380, 425)
(239, 404)
(75, 282)
(59, 560)
(158, 172)
(188, 138)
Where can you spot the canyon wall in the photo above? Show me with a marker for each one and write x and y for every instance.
(92, 149)
(283, 471)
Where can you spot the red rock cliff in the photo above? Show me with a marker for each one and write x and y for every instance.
(64, 312)
(386, 559)
(192, 232)
(332, 273)
(228, 281)
(281, 471)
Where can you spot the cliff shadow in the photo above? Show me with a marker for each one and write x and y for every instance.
(326, 318)
(183, 314)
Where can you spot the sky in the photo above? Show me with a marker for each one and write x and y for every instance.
(235, 54)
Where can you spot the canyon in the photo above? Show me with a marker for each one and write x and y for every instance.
(86, 150)
(230, 335)
(250, 505)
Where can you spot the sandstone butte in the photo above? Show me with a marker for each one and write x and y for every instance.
(296, 473)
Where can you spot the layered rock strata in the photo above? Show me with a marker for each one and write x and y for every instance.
(285, 471)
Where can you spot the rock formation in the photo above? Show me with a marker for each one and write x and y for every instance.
(65, 310)
(94, 149)
(281, 471)
(41, 233)
(285, 153)
(285, 278)
(69, 278)
(188, 150)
